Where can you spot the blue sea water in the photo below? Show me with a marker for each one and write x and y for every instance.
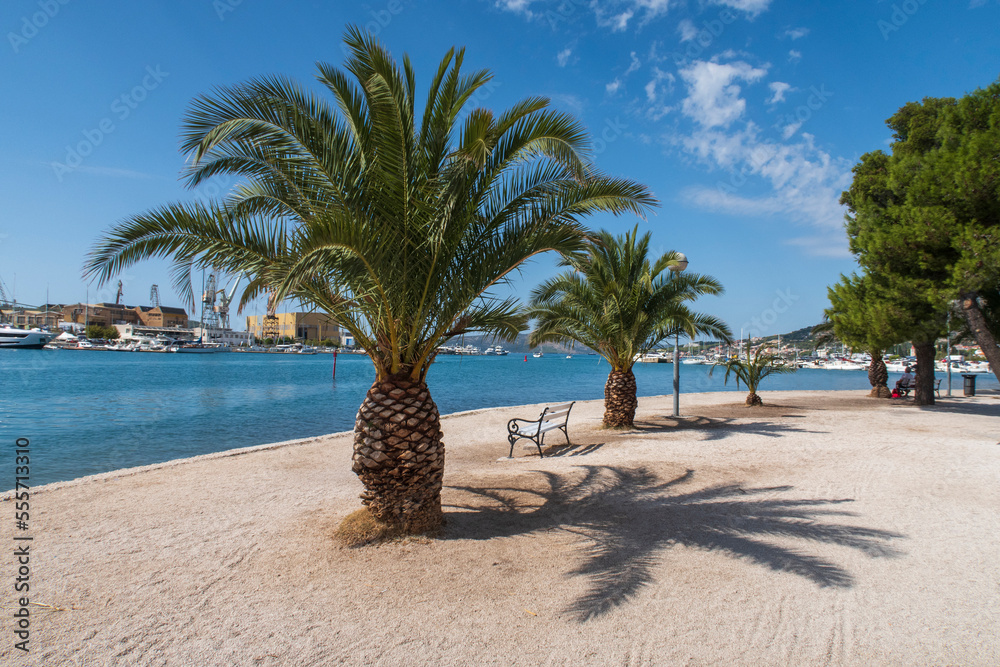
(87, 412)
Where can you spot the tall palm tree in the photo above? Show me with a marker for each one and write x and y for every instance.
(620, 304)
(397, 226)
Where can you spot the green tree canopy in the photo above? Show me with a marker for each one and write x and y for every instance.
(925, 219)
(396, 224)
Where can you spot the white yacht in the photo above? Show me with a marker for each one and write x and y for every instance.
(24, 338)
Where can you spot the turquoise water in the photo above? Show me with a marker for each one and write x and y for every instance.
(95, 411)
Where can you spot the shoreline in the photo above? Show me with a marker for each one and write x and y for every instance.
(527, 407)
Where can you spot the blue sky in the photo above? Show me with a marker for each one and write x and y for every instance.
(743, 116)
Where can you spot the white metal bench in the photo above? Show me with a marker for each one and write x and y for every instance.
(552, 418)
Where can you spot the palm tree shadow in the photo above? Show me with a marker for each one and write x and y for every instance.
(714, 428)
(627, 517)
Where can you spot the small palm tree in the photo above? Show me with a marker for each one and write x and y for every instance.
(752, 371)
(397, 226)
(617, 302)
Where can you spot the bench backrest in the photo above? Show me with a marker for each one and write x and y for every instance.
(556, 413)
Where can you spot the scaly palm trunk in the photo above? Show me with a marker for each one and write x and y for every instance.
(399, 456)
(923, 394)
(619, 399)
(878, 376)
(753, 400)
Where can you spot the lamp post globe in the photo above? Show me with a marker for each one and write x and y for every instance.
(680, 263)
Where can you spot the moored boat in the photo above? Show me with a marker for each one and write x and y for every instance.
(29, 339)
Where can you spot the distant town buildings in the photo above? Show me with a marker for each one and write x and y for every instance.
(110, 314)
(305, 326)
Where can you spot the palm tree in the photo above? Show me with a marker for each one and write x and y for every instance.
(396, 226)
(752, 371)
(617, 302)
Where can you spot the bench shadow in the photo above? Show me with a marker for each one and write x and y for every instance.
(556, 451)
(627, 518)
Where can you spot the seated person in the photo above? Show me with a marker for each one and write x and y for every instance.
(906, 380)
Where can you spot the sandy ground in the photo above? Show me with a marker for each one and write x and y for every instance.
(827, 529)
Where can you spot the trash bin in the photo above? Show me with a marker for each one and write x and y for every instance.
(970, 384)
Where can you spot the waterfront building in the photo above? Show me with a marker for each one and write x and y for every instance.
(223, 336)
(162, 316)
(304, 326)
(28, 318)
(111, 314)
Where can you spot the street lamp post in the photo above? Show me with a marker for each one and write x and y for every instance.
(947, 358)
(679, 265)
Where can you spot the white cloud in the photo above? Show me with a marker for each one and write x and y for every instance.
(620, 22)
(612, 87)
(789, 130)
(752, 7)
(778, 90)
(805, 182)
(634, 65)
(562, 58)
(796, 33)
(687, 29)
(656, 84)
(516, 6)
(713, 96)
(794, 56)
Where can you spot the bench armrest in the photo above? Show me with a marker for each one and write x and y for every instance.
(514, 425)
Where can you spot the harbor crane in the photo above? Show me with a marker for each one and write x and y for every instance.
(5, 302)
(209, 311)
(269, 328)
(118, 297)
(224, 300)
(154, 296)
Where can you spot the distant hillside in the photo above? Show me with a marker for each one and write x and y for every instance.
(801, 338)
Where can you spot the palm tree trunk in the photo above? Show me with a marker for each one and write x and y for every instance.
(619, 399)
(977, 324)
(923, 394)
(878, 376)
(399, 455)
(753, 400)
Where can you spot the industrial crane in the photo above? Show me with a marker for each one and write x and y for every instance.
(269, 328)
(224, 300)
(5, 302)
(209, 311)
